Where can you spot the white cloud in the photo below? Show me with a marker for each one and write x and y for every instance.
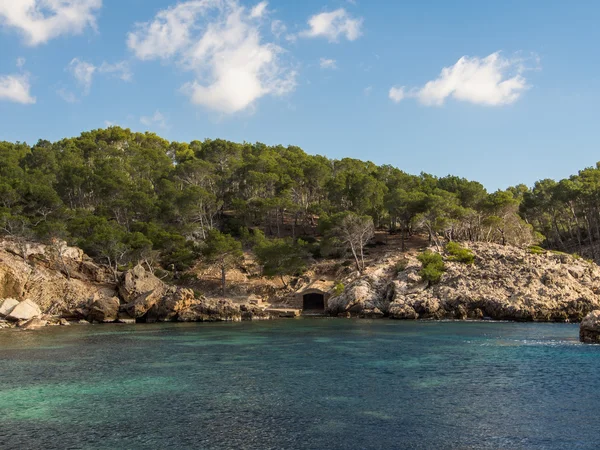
(157, 119)
(67, 96)
(367, 91)
(278, 28)
(333, 25)
(397, 94)
(220, 42)
(21, 62)
(83, 73)
(121, 70)
(493, 81)
(326, 63)
(15, 88)
(42, 20)
(259, 10)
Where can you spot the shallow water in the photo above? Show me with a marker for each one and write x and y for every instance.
(310, 384)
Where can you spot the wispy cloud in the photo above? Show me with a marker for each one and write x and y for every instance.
(333, 26)
(259, 10)
(326, 63)
(155, 120)
(120, 70)
(220, 42)
(42, 20)
(84, 73)
(397, 94)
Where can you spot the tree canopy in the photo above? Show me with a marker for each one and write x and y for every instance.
(127, 197)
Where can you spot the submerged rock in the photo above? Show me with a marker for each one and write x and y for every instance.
(33, 324)
(589, 330)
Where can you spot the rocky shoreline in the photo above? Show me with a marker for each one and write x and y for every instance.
(503, 283)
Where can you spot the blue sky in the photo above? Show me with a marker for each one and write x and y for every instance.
(499, 92)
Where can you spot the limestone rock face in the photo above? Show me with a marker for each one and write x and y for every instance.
(57, 285)
(25, 310)
(359, 296)
(7, 305)
(104, 310)
(589, 330)
(504, 283)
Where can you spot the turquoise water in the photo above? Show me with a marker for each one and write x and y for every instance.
(306, 384)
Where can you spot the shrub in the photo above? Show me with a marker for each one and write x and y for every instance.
(338, 289)
(536, 250)
(401, 265)
(433, 266)
(460, 254)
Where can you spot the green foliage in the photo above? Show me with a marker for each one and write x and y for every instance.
(459, 254)
(127, 196)
(338, 289)
(433, 266)
(282, 257)
(222, 251)
(401, 265)
(536, 250)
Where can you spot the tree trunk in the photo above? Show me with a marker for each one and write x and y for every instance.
(403, 238)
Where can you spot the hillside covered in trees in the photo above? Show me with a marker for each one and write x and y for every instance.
(129, 197)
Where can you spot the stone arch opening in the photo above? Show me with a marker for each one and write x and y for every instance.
(313, 302)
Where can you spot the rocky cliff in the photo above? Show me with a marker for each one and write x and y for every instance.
(57, 285)
(504, 283)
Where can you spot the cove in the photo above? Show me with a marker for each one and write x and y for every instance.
(300, 384)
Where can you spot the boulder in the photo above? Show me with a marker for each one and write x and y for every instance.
(25, 310)
(137, 282)
(33, 324)
(589, 330)
(7, 305)
(358, 296)
(104, 310)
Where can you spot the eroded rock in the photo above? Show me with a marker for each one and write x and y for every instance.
(589, 330)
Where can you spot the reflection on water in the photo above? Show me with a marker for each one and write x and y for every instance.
(300, 384)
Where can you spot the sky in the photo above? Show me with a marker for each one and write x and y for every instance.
(498, 92)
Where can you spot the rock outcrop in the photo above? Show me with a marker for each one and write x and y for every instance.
(35, 285)
(504, 283)
(589, 330)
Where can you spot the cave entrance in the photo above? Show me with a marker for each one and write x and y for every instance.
(314, 302)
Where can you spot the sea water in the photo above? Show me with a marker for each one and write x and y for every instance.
(300, 384)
